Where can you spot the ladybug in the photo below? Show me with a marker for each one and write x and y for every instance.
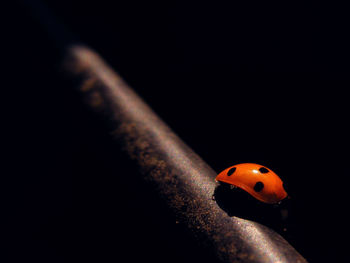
(257, 180)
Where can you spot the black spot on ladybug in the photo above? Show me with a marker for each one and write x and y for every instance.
(263, 170)
(258, 186)
(231, 171)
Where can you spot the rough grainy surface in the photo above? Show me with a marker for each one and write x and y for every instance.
(181, 177)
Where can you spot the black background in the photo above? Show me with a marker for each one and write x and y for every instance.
(255, 81)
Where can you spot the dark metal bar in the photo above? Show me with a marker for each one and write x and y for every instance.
(183, 179)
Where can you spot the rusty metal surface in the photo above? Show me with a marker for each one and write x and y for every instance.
(181, 177)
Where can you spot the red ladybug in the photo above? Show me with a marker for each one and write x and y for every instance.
(257, 180)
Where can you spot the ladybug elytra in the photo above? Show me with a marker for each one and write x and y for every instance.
(257, 180)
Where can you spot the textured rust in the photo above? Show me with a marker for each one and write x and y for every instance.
(181, 177)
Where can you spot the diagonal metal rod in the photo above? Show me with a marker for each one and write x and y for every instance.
(181, 177)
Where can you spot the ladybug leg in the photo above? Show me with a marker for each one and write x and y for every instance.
(276, 206)
(232, 186)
